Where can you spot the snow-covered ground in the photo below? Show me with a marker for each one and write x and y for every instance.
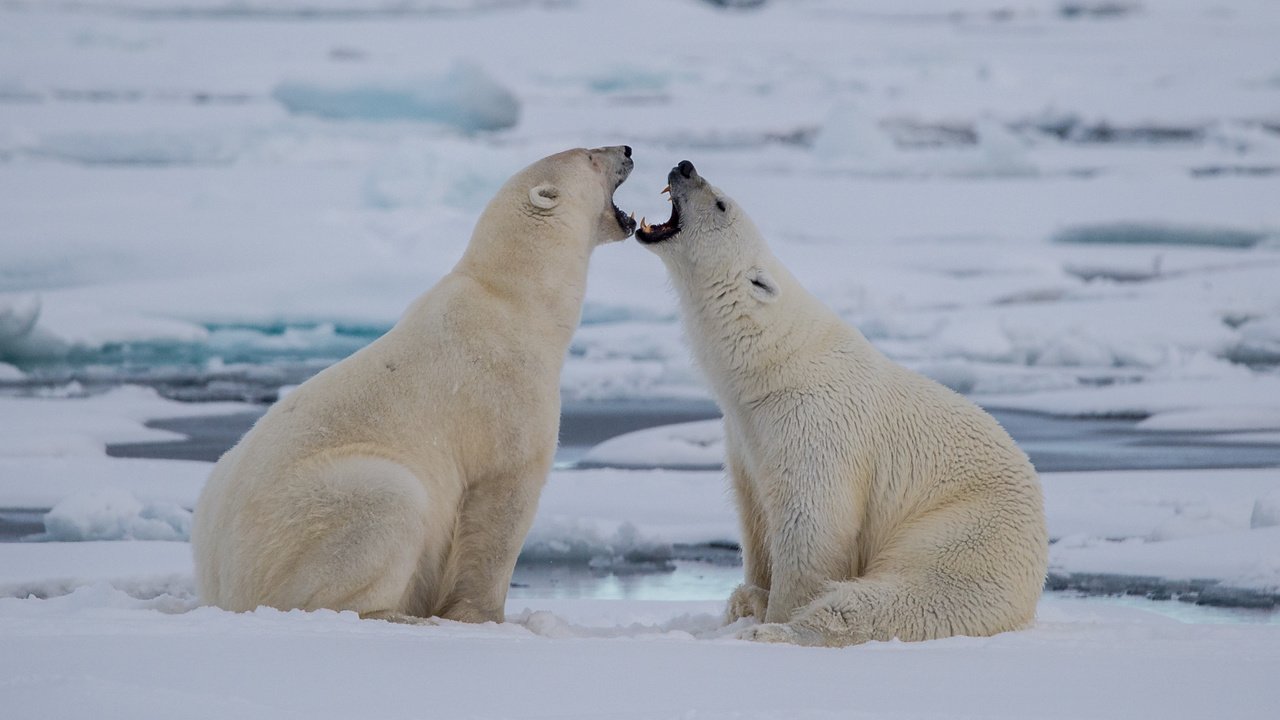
(1056, 206)
(100, 654)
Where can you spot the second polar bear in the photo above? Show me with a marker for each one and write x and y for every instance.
(400, 482)
(874, 502)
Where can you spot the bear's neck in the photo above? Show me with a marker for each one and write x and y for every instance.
(542, 279)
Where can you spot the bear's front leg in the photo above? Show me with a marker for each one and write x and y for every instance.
(746, 601)
(783, 633)
(844, 614)
(751, 598)
(811, 531)
(494, 520)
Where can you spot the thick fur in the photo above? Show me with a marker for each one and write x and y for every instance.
(874, 502)
(400, 482)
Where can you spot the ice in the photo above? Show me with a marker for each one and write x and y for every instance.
(682, 446)
(567, 545)
(114, 514)
(9, 373)
(1213, 394)
(1104, 10)
(80, 426)
(66, 465)
(736, 4)
(852, 139)
(154, 149)
(1133, 233)
(18, 315)
(278, 9)
(1266, 511)
(465, 98)
(587, 506)
(1248, 559)
(1220, 419)
(625, 378)
(63, 331)
(939, 245)
(414, 174)
(1259, 341)
(851, 135)
(1194, 520)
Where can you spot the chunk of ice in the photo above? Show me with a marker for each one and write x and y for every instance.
(1266, 511)
(114, 514)
(465, 98)
(1143, 233)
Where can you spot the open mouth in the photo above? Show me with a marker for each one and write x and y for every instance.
(625, 221)
(650, 234)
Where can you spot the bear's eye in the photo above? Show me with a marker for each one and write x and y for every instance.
(720, 204)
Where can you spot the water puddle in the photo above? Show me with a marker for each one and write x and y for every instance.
(688, 581)
(700, 581)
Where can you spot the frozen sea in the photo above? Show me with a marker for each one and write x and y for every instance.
(1066, 210)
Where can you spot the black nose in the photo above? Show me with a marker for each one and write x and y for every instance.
(686, 169)
(626, 150)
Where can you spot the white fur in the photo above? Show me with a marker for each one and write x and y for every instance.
(874, 502)
(400, 482)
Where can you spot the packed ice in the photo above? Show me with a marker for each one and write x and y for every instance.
(113, 514)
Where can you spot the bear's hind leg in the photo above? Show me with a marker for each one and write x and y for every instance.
(959, 570)
(352, 539)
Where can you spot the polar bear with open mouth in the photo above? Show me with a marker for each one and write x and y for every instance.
(874, 503)
(400, 482)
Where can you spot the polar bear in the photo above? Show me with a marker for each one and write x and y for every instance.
(400, 482)
(874, 503)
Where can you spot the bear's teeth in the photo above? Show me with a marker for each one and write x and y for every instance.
(666, 189)
(644, 225)
(633, 216)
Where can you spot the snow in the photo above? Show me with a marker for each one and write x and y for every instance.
(1066, 208)
(99, 653)
(51, 570)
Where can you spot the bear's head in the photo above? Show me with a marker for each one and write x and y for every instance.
(709, 244)
(573, 191)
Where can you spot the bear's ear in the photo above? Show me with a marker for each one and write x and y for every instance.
(544, 196)
(762, 285)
